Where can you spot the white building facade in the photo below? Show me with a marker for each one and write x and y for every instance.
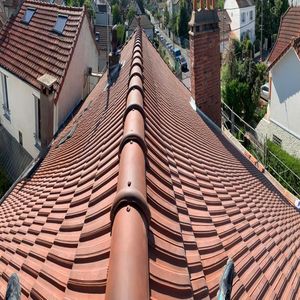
(242, 15)
(21, 100)
(282, 123)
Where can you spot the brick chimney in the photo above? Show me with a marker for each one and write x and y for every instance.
(46, 109)
(206, 59)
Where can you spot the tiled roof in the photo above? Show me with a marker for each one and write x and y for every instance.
(206, 201)
(29, 51)
(289, 31)
(244, 3)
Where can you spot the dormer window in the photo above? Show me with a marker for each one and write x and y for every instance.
(28, 15)
(60, 24)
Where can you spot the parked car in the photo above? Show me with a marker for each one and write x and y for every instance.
(169, 46)
(177, 53)
(183, 64)
(265, 91)
(156, 31)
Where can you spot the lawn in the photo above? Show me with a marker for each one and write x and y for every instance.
(4, 183)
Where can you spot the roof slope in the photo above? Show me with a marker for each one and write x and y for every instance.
(29, 51)
(289, 30)
(244, 3)
(207, 203)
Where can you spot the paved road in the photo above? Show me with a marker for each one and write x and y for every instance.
(185, 52)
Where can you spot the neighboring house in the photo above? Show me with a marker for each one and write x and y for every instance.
(147, 199)
(242, 15)
(282, 124)
(145, 24)
(225, 29)
(45, 55)
(102, 29)
(8, 8)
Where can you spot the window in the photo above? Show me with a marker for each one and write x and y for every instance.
(28, 15)
(20, 138)
(60, 24)
(5, 96)
(251, 15)
(37, 120)
(243, 17)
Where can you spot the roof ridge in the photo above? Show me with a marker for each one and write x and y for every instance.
(130, 213)
(43, 3)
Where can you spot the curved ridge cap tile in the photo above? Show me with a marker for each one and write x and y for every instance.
(137, 83)
(135, 101)
(134, 130)
(131, 196)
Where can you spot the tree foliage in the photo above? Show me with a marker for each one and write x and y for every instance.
(183, 20)
(272, 12)
(131, 13)
(116, 14)
(242, 79)
(166, 17)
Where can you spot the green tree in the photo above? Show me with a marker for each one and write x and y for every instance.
(116, 14)
(182, 21)
(131, 13)
(88, 4)
(166, 17)
(120, 34)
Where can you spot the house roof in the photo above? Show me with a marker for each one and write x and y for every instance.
(31, 50)
(244, 3)
(224, 23)
(206, 201)
(145, 23)
(104, 39)
(289, 32)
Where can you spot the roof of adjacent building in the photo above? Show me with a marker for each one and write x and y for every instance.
(31, 50)
(206, 201)
(224, 24)
(145, 23)
(289, 32)
(245, 3)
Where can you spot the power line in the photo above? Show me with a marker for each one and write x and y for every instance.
(243, 26)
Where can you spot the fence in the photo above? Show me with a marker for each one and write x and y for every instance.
(252, 141)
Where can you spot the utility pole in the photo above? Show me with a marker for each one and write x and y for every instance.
(261, 30)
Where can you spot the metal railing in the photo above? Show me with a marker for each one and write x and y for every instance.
(256, 144)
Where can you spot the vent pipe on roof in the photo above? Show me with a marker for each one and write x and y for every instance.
(114, 65)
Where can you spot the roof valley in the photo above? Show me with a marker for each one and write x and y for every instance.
(130, 213)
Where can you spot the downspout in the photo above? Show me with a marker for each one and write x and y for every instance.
(128, 274)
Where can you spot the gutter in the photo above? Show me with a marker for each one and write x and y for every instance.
(128, 272)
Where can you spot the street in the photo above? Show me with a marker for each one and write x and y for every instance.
(185, 52)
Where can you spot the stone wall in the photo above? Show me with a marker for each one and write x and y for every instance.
(290, 143)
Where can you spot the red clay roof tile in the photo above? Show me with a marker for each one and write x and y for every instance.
(289, 31)
(31, 50)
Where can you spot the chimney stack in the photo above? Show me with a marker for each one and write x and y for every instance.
(206, 59)
(46, 109)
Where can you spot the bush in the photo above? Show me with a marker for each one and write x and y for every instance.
(292, 162)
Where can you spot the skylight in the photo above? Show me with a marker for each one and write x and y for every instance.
(28, 15)
(60, 24)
